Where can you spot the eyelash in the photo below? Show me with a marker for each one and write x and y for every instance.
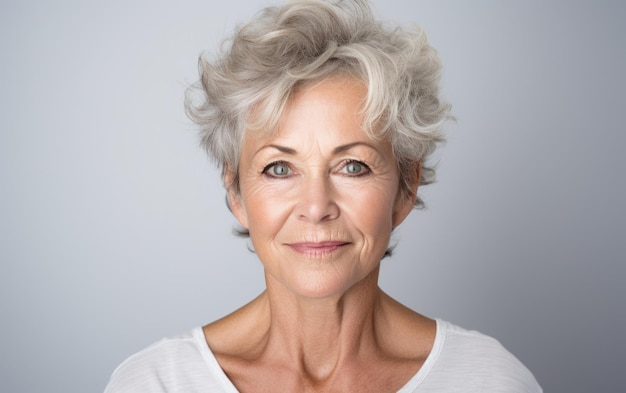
(366, 169)
(269, 166)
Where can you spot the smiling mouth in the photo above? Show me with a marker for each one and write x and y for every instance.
(317, 249)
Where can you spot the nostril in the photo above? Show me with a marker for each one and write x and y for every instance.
(317, 203)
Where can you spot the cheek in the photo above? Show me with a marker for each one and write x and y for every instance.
(370, 209)
(267, 209)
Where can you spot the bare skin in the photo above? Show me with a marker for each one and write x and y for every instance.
(320, 199)
(365, 342)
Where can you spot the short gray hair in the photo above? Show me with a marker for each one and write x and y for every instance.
(307, 41)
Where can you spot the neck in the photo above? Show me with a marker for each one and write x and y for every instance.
(321, 335)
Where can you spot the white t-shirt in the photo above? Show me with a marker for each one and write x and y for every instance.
(460, 361)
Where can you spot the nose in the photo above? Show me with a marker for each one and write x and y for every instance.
(317, 201)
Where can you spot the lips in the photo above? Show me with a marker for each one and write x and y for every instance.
(317, 249)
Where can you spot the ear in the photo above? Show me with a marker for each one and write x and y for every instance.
(405, 202)
(233, 195)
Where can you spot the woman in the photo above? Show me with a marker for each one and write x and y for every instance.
(322, 121)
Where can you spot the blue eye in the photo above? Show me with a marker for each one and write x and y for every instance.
(355, 168)
(277, 169)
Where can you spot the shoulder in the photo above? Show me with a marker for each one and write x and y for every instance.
(164, 366)
(477, 362)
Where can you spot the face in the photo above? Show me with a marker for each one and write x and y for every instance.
(318, 196)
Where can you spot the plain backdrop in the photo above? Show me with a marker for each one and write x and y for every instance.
(113, 227)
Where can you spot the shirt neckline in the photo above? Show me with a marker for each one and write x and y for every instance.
(410, 386)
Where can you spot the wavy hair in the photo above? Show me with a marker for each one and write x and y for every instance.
(249, 84)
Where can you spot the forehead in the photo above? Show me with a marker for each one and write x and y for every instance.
(331, 109)
(340, 97)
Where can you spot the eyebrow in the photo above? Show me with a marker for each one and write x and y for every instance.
(336, 150)
(284, 149)
(342, 148)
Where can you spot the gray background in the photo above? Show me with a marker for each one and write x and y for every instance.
(114, 233)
